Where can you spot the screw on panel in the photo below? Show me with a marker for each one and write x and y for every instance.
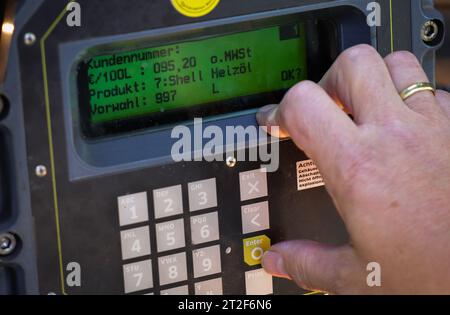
(430, 31)
(228, 251)
(231, 161)
(29, 39)
(8, 244)
(41, 171)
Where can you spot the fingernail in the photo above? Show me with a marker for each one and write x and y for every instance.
(273, 264)
(264, 115)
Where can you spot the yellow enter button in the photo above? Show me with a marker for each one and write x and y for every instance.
(254, 249)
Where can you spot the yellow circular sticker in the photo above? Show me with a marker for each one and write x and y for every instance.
(195, 8)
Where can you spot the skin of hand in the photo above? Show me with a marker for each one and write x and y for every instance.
(388, 172)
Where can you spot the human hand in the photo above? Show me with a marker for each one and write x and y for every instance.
(388, 172)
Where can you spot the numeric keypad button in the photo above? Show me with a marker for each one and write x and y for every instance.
(168, 201)
(170, 235)
(202, 195)
(135, 242)
(138, 276)
(206, 261)
(133, 208)
(205, 228)
(172, 268)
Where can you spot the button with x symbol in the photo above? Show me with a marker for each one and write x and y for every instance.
(253, 184)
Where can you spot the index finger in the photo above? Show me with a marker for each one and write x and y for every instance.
(314, 122)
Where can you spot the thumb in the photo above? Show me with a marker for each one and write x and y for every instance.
(316, 266)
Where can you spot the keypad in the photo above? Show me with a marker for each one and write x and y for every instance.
(183, 290)
(172, 268)
(176, 264)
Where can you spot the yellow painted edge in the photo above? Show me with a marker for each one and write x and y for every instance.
(50, 140)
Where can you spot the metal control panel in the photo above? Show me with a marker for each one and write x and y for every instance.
(92, 201)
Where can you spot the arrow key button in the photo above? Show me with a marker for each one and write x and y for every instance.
(255, 217)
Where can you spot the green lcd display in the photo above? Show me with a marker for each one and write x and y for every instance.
(185, 76)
